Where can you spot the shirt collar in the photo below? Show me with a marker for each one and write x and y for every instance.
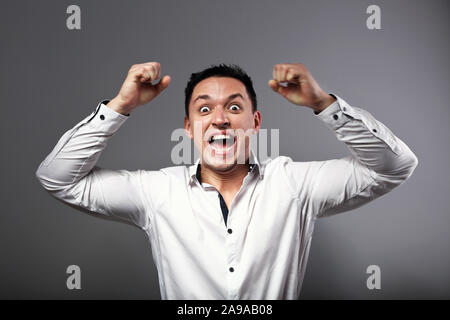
(194, 170)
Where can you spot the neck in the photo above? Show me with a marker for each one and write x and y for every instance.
(226, 181)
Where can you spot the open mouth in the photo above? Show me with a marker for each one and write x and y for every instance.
(222, 143)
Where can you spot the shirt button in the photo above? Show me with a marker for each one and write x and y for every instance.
(374, 130)
(230, 231)
(102, 117)
(335, 116)
(231, 269)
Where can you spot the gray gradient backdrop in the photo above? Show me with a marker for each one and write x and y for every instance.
(51, 78)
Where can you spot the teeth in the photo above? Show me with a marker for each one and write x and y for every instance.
(219, 137)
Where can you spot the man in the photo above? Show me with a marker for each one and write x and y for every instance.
(225, 228)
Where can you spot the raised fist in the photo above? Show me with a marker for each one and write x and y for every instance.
(137, 89)
(300, 87)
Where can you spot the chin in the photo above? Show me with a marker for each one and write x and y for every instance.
(220, 164)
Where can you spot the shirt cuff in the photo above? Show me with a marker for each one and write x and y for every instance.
(105, 118)
(336, 114)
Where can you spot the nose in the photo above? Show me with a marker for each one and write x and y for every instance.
(220, 118)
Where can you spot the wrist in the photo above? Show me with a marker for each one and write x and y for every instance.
(118, 106)
(325, 101)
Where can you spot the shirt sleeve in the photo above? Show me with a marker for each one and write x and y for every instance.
(69, 172)
(378, 162)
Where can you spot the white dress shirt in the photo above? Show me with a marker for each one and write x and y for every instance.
(262, 251)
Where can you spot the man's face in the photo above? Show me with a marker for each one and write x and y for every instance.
(221, 121)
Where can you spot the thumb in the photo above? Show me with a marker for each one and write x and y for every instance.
(275, 86)
(162, 84)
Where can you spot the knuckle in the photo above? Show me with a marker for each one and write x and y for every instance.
(140, 71)
(151, 71)
(154, 65)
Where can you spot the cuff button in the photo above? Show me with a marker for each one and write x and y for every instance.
(335, 116)
(374, 130)
(102, 117)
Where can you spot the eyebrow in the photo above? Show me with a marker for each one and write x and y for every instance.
(231, 97)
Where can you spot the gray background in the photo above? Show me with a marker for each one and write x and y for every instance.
(51, 78)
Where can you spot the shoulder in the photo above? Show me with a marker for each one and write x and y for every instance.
(271, 166)
(285, 167)
(160, 185)
(168, 173)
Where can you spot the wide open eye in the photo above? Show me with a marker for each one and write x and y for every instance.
(234, 107)
(204, 109)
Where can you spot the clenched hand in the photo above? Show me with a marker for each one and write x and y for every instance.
(137, 89)
(301, 88)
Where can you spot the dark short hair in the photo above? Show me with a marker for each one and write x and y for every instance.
(221, 70)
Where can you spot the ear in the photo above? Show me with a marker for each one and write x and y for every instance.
(257, 121)
(188, 128)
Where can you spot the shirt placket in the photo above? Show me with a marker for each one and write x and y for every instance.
(232, 245)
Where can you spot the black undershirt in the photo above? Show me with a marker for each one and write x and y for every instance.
(223, 205)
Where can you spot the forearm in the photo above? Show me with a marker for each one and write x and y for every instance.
(78, 150)
(369, 140)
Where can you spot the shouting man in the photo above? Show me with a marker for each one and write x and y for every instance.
(228, 227)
